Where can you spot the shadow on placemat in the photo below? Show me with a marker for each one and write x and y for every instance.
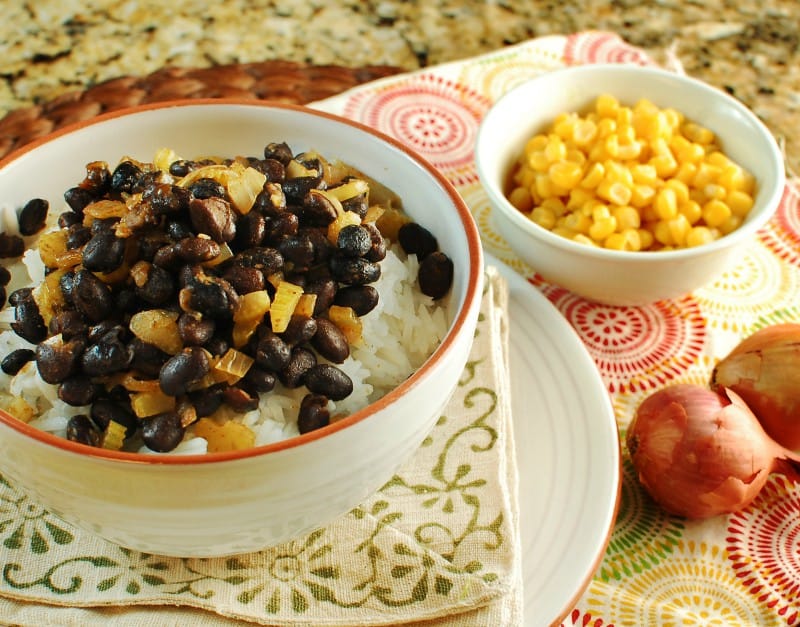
(281, 81)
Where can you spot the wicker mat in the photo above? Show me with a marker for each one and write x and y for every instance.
(282, 81)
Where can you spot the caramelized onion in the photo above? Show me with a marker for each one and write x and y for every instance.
(700, 454)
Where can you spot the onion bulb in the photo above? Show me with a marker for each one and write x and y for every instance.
(700, 454)
(764, 369)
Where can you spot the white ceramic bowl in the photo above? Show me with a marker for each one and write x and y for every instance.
(617, 277)
(226, 503)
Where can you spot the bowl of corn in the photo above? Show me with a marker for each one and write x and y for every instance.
(626, 184)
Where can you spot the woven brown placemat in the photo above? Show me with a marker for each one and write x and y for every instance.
(282, 81)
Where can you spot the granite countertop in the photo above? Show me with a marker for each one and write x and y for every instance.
(750, 48)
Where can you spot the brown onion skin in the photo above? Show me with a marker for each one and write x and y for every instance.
(697, 453)
(764, 369)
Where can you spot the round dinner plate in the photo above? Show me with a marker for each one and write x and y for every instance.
(568, 453)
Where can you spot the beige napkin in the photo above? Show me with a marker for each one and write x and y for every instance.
(437, 545)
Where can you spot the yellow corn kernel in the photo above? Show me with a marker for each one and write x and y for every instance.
(645, 238)
(680, 188)
(679, 227)
(525, 176)
(520, 197)
(602, 228)
(575, 155)
(692, 210)
(584, 132)
(627, 217)
(616, 172)
(565, 174)
(666, 203)
(699, 235)
(715, 191)
(662, 233)
(674, 118)
(606, 127)
(660, 146)
(686, 172)
(642, 195)
(664, 164)
(644, 174)
(563, 231)
(715, 213)
(555, 150)
(594, 175)
(606, 106)
(629, 151)
(577, 222)
(614, 192)
(719, 159)
(739, 202)
(706, 174)
(563, 125)
(625, 240)
(582, 239)
(536, 143)
(732, 177)
(730, 224)
(556, 205)
(697, 133)
(538, 161)
(611, 146)
(543, 217)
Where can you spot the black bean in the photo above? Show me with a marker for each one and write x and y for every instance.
(435, 275)
(107, 356)
(353, 241)
(103, 252)
(273, 169)
(214, 217)
(284, 225)
(207, 188)
(377, 251)
(180, 167)
(162, 432)
(11, 246)
(13, 362)
(158, 287)
(360, 298)
(28, 322)
(182, 370)
(57, 360)
(78, 198)
(313, 414)
(317, 208)
(281, 152)
(178, 229)
(77, 236)
(107, 410)
(69, 324)
(354, 271)
(299, 330)
(67, 219)
(18, 295)
(243, 279)
(271, 201)
(147, 358)
(302, 359)
(264, 258)
(5, 276)
(206, 401)
(82, 430)
(250, 230)
(329, 381)
(330, 342)
(239, 400)
(166, 199)
(97, 179)
(323, 249)
(103, 224)
(417, 240)
(299, 250)
(91, 296)
(167, 257)
(2, 296)
(125, 177)
(126, 301)
(196, 249)
(272, 353)
(258, 380)
(212, 296)
(325, 289)
(195, 330)
(217, 346)
(356, 204)
(33, 216)
(78, 390)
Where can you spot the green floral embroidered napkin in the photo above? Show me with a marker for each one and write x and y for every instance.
(438, 544)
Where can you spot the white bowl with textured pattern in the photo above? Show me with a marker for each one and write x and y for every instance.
(225, 503)
(612, 276)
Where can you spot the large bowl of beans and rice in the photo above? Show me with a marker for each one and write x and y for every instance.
(627, 184)
(227, 322)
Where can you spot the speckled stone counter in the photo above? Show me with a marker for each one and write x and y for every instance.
(748, 47)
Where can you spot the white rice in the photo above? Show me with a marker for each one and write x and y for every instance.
(398, 336)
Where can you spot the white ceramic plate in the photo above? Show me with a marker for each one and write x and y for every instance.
(567, 453)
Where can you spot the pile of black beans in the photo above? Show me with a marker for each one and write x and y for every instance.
(160, 260)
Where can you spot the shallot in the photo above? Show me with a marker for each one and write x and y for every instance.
(764, 369)
(700, 454)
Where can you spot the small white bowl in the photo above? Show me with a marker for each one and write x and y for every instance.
(225, 503)
(609, 276)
